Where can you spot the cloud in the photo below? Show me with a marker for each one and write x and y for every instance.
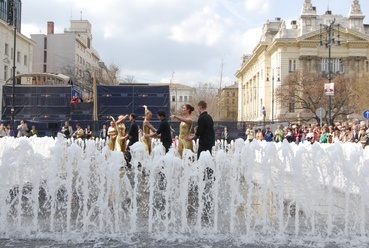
(202, 27)
(250, 39)
(257, 5)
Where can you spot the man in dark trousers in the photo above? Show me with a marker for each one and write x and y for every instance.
(164, 131)
(132, 136)
(204, 130)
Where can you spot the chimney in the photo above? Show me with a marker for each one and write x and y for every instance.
(50, 27)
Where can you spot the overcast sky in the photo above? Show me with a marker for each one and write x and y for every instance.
(189, 41)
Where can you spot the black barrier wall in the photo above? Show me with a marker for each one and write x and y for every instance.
(48, 107)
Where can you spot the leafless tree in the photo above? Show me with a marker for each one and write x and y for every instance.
(303, 92)
(208, 93)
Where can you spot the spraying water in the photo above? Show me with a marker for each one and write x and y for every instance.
(274, 193)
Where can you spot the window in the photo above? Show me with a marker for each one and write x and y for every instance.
(185, 98)
(18, 56)
(12, 53)
(5, 72)
(227, 93)
(173, 98)
(336, 65)
(233, 101)
(291, 107)
(45, 57)
(181, 98)
(292, 65)
(25, 60)
(45, 43)
(6, 49)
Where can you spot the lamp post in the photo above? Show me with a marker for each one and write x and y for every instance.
(328, 40)
(263, 112)
(272, 90)
(13, 21)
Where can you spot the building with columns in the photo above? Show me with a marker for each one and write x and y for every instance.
(283, 50)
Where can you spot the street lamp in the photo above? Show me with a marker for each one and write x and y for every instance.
(263, 112)
(272, 90)
(328, 40)
(12, 20)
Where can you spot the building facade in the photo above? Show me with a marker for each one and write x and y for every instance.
(180, 94)
(11, 12)
(283, 50)
(229, 103)
(70, 53)
(21, 56)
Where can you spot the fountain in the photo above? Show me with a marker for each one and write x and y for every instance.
(255, 193)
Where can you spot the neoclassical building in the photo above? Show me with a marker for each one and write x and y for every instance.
(283, 50)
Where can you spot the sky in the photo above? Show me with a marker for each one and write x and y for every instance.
(179, 41)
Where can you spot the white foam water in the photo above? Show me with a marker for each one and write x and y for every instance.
(250, 193)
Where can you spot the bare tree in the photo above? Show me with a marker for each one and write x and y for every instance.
(303, 92)
(79, 77)
(360, 89)
(129, 79)
(208, 93)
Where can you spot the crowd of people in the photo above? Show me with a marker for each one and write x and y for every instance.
(22, 130)
(120, 138)
(342, 132)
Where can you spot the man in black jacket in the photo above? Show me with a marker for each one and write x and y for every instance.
(204, 130)
(132, 136)
(164, 131)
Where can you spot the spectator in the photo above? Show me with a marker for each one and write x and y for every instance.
(3, 132)
(268, 135)
(88, 132)
(67, 130)
(9, 131)
(22, 129)
(103, 133)
(250, 133)
(79, 133)
(278, 134)
(33, 131)
(259, 134)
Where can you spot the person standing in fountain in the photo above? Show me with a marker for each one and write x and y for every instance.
(120, 141)
(112, 133)
(184, 128)
(147, 127)
(132, 136)
(204, 130)
(163, 131)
